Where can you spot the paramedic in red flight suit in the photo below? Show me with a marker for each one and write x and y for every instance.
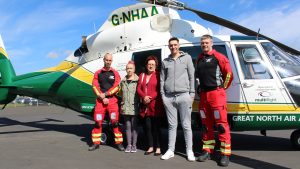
(105, 86)
(215, 75)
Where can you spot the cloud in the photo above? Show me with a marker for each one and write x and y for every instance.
(19, 53)
(3, 21)
(53, 55)
(69, 52)
(47, 18)
(243, 3)
(29, 63)
(281, 24)
(21, 23)
(59, 53)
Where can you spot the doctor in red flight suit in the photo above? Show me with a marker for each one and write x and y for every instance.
(215, 75)
(106, 85)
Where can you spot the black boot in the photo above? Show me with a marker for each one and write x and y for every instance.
(204, 156)
(94, 147)
(120, 147)
(224, 161)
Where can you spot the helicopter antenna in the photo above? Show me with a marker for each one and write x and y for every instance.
(220, 21)
(257, 35)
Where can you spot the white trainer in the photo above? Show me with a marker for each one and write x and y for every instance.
(169, 154)
(190, 155)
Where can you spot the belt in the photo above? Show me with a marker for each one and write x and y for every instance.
(207, 89)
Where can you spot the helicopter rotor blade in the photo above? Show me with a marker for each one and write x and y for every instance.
(166, 3)
(241, 29)
(220, 21)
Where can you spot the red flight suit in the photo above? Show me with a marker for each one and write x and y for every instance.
(215, 75)
(112, 107)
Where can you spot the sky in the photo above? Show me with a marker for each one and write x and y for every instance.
(40, 33)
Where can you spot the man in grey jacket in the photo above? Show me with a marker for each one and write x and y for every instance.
(178, 91)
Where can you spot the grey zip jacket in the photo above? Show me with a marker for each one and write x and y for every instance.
(177, 76)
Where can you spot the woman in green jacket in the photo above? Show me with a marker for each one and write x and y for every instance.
(130, 106)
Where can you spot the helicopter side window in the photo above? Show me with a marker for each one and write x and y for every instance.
(194, 51)
(140, 57)
(253, 66)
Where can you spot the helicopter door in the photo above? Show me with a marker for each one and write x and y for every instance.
(260, 84)
(140, 57)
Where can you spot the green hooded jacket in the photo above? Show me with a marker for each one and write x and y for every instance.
(130, 98)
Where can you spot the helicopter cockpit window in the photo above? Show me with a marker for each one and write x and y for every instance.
(140, 57)
(285, 64)
(253, 66)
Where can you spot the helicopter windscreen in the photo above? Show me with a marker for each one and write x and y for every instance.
(286, 65)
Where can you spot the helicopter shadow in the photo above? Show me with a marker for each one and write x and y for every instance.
(49, 124)
(239, 141)
(248, 142)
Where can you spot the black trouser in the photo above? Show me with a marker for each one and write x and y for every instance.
(153, 131)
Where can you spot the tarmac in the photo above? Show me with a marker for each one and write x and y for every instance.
(52, 137)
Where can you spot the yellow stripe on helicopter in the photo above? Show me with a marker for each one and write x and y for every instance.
(62, 66)
(82, 75)
(243, 108)
(73, 70)
(3, 52)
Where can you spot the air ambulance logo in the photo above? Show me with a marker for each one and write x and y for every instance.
(208, 60)
(112, 77)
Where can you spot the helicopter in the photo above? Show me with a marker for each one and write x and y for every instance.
(265, 91)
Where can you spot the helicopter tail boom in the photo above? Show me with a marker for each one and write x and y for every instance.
(7, 73)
